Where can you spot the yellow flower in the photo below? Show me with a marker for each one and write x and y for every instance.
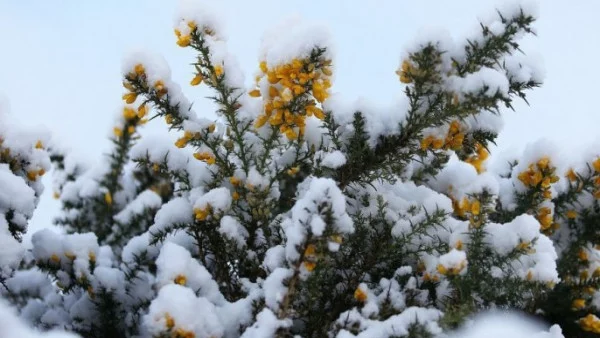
(142, 111)
(218, 70)
(405, 72)
(181, 143)
(92, 256)
(169, 119)
(293, 171)
(571, 175)
(235, 196)
(206, 157)
(127, 85)
(523, 245)
(529, 275)
(108, 198)
(192, 25)
(360, 295)
(546, 221)
(211, 128)
(234, 181)
(260, 121)
(56, 195)
(578, 304)
(426, 142)
(39, 145)
(582, 254)
(543, 163)
(458, 245)
(590, 323)
(336, 239)
(129, 113)
(571, 214)
(196, 80)
(273, 91)
(596, 164)
(254, 93)
(263, 66)
(118, 132)
(202, 213)
(184, 40)
(32, 175)
(475, 207)
(55, 258)
(441, 269)
(139, 69)
(131, 129)
(169, 321)
(291, 134)
(180, 279)
(309, 266)
(130, 97)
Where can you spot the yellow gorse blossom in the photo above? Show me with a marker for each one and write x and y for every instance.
(301, 78)
(360, 295)
(196, 80)
(477, 160)
(108, 198)
(201, 214)
(206, 157)
(578, 304)
(590, 323)
(180, 279)
(541, 176)
(405, 72)
(453, 140)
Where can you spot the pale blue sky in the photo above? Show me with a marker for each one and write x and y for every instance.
(60, 61)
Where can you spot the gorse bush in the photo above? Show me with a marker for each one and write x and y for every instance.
(297, 214)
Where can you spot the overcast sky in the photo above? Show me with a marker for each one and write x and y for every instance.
(60, 61)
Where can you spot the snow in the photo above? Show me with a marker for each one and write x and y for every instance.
(396, 325)
(109, 279)
(274, 258)
(313, 193)
(146, 200)
(334, 160)
(292, 38)
(232, 229)
(455, 259)
(13, 327)
(205, 14)
(175, 261)
(493, 81)
(496, 324)
(541, 263)
(181, 304)
(274, 287)
(219, 200)
(266, 325)
(15, 193)
(11, 250)
(158, 150)
(176, 211)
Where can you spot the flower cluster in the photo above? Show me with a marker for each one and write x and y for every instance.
(538, 178)
(293, 91)
(477, 159)
(453, 140)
